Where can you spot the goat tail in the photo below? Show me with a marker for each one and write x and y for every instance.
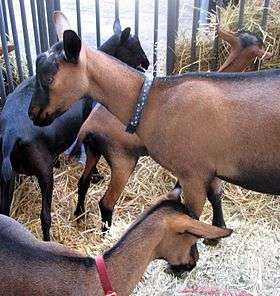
(175, 193)
(76, 151)
(8, 143)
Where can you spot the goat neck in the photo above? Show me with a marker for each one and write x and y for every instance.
(117, 89)
(127, 261)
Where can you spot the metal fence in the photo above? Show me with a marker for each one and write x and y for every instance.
(44, 34)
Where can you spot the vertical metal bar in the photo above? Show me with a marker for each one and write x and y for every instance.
(97, 18)
(26, 37)
(155, 53)
(172, 25)
(42, 25)
(195, 26)
(51, 29)
(241, 14)
(35, 26)
(2, 88)
(215, 62)
(177, 14)
(136, 18)
(117, 10)
(15, 38)
(212, 5)
(265, 14)
(5, 18)
(78, 8)
(57, 5)
(5, 49)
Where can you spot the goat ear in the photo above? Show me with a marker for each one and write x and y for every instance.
(61, 24)
(117, 27)
(228, 37)
(199, 229)
(125, 35)
(72, 46)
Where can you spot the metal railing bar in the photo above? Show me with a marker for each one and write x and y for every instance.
(177, 14)
(42, 25)
(5, 51)
(5, 18)
(265, 14)
(15, 39)
(97, 19)
(35, 26)
(51, 28)
(26, 38)
(241, 14)
(215, 63)
(136, 18)
(57, 5)
(2, 89)
(155, 50)
(78, 9)
(117, 9)
(172, 25)
(196, 15)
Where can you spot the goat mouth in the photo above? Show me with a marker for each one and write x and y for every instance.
(47, 120)
(179, 270)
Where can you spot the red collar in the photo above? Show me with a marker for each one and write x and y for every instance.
(103, 276)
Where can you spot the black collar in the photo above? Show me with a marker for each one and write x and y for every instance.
(140, 104)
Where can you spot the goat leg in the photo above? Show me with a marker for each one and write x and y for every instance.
(7, 191)
(44, 174)
(214, 195)
(84, 182)
(121, 169)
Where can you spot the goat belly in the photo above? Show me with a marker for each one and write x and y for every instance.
(257, 179)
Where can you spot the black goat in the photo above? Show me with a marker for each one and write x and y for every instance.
(32, 150)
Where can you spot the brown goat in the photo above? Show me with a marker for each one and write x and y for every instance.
(165, 231)
(103, 134)
(199, 126)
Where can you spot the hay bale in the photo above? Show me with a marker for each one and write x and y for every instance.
(229, 19)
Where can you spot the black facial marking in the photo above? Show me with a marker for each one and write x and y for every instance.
(46, 68)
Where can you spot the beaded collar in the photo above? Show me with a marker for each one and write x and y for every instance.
(140, 104)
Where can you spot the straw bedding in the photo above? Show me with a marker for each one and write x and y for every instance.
(228, 21)
(249, 260)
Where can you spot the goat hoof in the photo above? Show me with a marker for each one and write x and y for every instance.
(104, 229)
(96, 178)
(46, 238)
(211, 242)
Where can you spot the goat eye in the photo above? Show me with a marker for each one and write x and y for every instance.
(50, 80)
(180, 233)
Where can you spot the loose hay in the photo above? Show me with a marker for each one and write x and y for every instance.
(248, 261)
(228, 21)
